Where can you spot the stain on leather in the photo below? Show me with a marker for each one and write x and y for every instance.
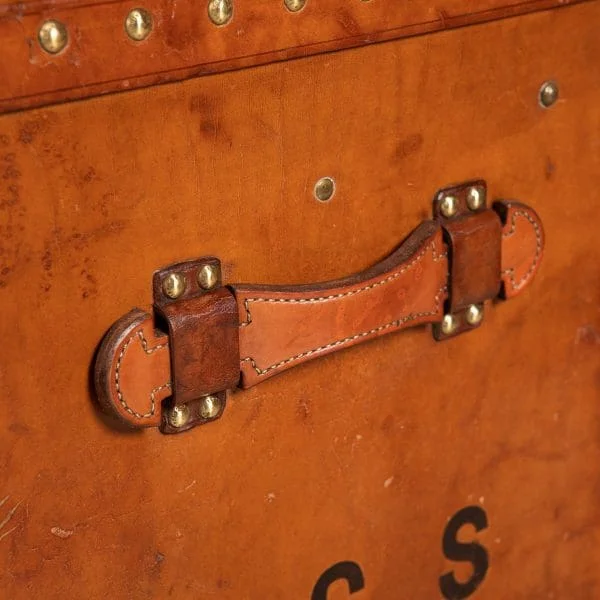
(588, 335)
(549, 169)
(348, 22)
(89, 283)
(411, 144)
(30, 130)
(200, 104)
(387, 424)
(12, 218)
(304, 409)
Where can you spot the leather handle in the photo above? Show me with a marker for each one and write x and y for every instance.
(283, 326)
(239, 335)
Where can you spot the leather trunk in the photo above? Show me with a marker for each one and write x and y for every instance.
(403, 467)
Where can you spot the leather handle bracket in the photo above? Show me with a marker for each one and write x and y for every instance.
(172, 368)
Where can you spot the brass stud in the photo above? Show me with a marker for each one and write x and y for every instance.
(324, 189)
(294, 5)
(138, 24)
(548, 94)
(475, 198)
(173, 285)
(210, 407)
(449, 325)
(449, 206)
(53, 36)
(178, 416)
(474, 314)
(220, 11)
(208, 276)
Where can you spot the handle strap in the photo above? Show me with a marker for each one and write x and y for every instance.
(281, 327)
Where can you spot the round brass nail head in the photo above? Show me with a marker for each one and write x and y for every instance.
(208, 276)
(475, 198)
(294, 5)
(179, 416)
(173, 285)
(449, 206)
(324, 189)
(53, 36)
(210, 407)
(548, 94)
(474, 314)
(449, 325)
(220, 11)
(138, 24)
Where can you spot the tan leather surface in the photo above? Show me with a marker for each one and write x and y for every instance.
(100, 58)
(364, 454)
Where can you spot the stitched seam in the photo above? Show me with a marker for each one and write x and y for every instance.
(392, 324)
(538, 248)
(436, 257)
(140, 337)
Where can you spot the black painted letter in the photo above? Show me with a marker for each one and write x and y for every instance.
(457, 551)
(347, 570)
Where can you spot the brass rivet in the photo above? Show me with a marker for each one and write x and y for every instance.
(210, 407)
(220, 11)
(475, 198)
(138, 24)
(548, 94)
(294, 5)
(324, 189)
(53, 36)
(474, 314)
(178, 416)
(449, 206)
(449, 325)
(173, 285)
(208, 276)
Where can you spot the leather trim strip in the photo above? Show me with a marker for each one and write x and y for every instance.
(100, 58)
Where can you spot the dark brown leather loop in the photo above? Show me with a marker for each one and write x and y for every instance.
(474, 243)
(204, 344)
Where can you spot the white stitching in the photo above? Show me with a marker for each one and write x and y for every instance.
(140, 337)
(538, 247)
(436, 257)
